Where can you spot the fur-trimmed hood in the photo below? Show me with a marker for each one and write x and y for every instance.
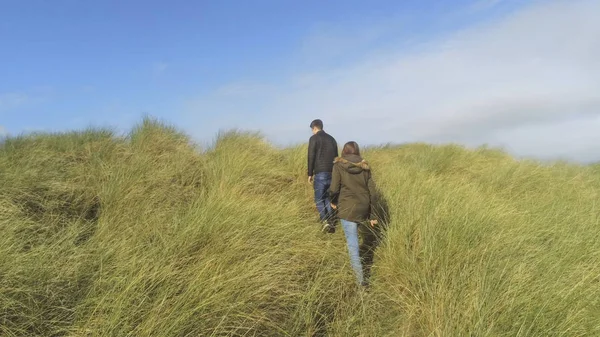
(353, 164)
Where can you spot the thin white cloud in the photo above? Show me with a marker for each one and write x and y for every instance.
(238, 90)
(159, 67)
(535, 71)
(87, 89)
(480, 5)
(12, 100)
(550, 141)
(328, 42)
(3, 131)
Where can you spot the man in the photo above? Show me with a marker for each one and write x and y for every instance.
(322, 151)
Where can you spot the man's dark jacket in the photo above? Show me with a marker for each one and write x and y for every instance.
(322, 150)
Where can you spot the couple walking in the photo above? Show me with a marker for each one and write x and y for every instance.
(342, 185)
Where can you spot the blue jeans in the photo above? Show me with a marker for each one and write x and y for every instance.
(351, 233)
(322, 181)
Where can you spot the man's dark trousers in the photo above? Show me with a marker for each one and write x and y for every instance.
(322, 181)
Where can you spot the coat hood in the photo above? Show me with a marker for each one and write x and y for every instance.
(353, 164)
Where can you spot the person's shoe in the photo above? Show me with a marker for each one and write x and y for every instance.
(328, 228)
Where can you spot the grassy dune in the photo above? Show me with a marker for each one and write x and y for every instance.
(146, 235)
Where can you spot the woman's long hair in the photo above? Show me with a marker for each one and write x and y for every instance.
(351, 148)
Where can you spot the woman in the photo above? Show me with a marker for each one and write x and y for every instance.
(352, 193)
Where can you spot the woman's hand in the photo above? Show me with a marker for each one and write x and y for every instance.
(373, 223)
(333, 206)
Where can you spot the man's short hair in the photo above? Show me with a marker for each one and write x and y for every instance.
(317, 123)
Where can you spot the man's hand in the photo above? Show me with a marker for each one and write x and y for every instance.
(373, 223)
(333, 206)
(310, 179)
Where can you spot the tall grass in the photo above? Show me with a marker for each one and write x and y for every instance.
(145, 235)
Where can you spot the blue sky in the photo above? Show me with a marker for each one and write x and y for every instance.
(373, 69)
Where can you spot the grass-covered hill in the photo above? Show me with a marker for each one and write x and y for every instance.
(146, 235)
